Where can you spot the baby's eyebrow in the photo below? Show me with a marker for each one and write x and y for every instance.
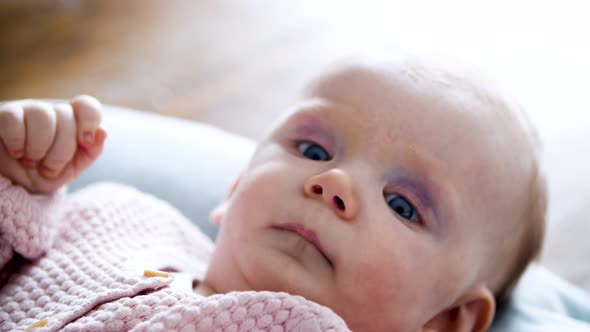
(426, 178)
(427, 196)
(311, 122)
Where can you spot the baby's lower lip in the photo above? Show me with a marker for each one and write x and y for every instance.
(308, 235)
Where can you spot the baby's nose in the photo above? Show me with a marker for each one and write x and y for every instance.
(335, 188)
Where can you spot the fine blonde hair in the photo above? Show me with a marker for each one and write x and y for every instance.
(530, 240)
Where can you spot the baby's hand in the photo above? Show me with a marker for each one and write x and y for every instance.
(44, 146)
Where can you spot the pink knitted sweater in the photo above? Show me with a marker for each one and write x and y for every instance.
(76, 263)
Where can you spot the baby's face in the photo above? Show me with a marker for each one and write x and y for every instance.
(375, 198)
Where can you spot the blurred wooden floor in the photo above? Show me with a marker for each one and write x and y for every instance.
(238, 63)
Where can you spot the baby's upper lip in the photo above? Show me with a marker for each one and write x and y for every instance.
(307, 234)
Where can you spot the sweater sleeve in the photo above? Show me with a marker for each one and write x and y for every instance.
(27, 221)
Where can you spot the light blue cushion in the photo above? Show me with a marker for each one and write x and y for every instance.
(543, 302)
(192, 166)
(188, 164)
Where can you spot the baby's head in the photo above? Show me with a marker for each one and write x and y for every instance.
(403, 195)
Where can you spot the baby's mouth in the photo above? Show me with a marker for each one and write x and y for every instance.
(308, 235)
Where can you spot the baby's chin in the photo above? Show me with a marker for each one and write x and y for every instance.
(285, 263)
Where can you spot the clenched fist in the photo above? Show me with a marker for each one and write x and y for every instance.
(44, 146)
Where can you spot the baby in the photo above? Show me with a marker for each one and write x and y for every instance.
(402, 195)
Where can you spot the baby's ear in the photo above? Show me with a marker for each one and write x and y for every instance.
(219, 211)
(473, 312)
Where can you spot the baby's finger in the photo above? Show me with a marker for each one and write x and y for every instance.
(40, 130)
(12, 128)
(87, 111)
(64, 144)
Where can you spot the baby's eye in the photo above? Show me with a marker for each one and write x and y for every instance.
(402, 207)
(313, 151)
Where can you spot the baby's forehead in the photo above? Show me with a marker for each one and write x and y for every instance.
(411, 78)
(392, 99)
(418, 91)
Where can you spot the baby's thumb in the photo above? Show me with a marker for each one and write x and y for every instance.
(85, 156)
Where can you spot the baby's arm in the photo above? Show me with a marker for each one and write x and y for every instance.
(45, 146)
(41, 149)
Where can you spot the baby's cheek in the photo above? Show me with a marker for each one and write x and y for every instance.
(398, 276)
(377, 278)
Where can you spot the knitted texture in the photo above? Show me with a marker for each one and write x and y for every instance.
(246, 311)
(168, 310)
(83, 269)
(26, 224)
